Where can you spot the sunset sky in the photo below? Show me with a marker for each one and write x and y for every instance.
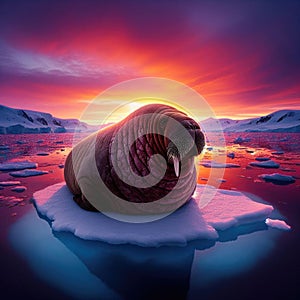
(242, 56)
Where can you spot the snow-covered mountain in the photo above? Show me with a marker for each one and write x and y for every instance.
(279, 121)
(28, 121)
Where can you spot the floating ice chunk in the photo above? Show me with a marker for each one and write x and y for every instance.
(4, 147)
(287, 169)
(42, 153)
(213, 164)
(10, 201)
(277, 152)
(261, 158)
(249, 151)
(231, 155)
(279, 224)
(265, 164)
(9, 183)
(17, 165)
(226, 209)
(241, 140)
(278, 178)
(221, 180)
(28, 173)
(19, 189)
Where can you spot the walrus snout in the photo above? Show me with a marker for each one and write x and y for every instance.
(183, 147)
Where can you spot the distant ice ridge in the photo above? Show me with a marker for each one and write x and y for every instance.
(14, 121)
(227, 209)
(279, 121)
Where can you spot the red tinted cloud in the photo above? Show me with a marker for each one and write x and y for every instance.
(236, 55)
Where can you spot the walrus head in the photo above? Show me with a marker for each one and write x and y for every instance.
(180, 138)
(181, 147)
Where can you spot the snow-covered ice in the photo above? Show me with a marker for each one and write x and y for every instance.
(10, 183)
(227, 209)
(213, 164)
(278, 178)
(18, 165)
(28, 173)
(269, 164)
(19, 189)
(279, 224)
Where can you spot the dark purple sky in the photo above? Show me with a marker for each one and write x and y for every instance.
(242, 56)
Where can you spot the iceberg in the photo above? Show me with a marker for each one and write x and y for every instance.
(227, 209)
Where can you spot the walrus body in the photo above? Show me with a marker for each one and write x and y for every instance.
(108, 144)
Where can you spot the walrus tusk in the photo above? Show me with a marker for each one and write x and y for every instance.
(176, 165)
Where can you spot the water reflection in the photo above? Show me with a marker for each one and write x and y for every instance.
(89, 269)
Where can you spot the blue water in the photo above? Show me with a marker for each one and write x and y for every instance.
(251, 262)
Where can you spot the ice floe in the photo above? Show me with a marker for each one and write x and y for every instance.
(19, 189)
(261, 158)
(227, 209)
(241, 140)
(28, 173)
(231, 155)
(42, 154)
(277, 152)
(10, 183)
(279, 224)
(221, 180)
(213, 164)
(18, 165)
(269, 164)
(4, 147)
(278, 178)
(10, 201)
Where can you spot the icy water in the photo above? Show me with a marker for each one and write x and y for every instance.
(252, 263)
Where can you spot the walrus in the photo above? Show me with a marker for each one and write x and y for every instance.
(153, 129)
